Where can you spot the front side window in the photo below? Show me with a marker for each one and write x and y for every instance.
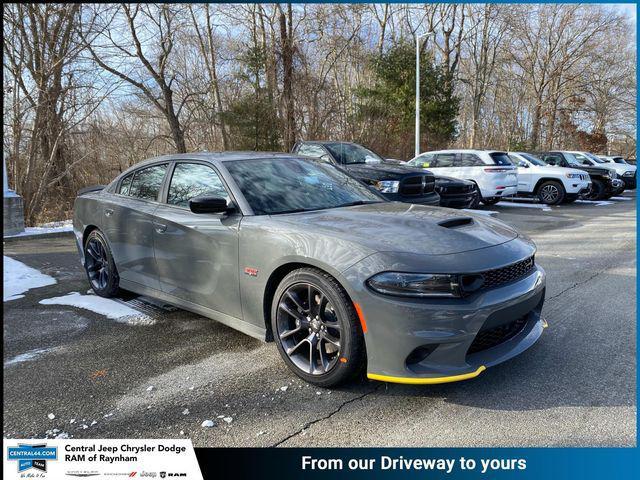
(349, 153)
(146, 182)
(191, 180)
(533, 159)
(273, 186)
(423, 161)
(581, 159)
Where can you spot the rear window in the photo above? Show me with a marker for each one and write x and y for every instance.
(500, 158)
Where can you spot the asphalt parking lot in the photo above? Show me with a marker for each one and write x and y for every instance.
(161, 379)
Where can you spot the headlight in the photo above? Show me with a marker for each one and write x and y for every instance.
(415, 284)
(613, 174)
(572, 175)
(630, 173)
(388, 186)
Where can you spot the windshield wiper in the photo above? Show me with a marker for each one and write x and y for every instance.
(359, 202)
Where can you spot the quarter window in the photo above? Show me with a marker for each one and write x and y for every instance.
(191, 180)
(311, 150)
(146, 182)
(470, 160)
(125, 185)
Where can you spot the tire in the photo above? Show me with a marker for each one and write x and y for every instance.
(490, 201)
(597, 190)
(294, 327)
(99, 265)
(551, 192)
(569, 200)
(476, 199)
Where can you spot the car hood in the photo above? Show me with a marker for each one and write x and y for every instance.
(619, 167)
(549, 170)
(381, 171)
(401, 227)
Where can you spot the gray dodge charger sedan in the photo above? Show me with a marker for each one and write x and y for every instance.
(295, 250)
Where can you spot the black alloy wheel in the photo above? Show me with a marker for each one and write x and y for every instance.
(316, 328)
(99, 265)
(597, 190)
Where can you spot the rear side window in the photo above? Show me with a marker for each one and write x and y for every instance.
(445, 159)
(146, 182)
(470, 160)
(191, 180)
(125, 185)
(500, 158)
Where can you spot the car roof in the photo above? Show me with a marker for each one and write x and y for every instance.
(464, 150)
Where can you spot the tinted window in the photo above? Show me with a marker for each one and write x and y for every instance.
(553, 159)
(192, 180)
(147, 182)
(424, 161)
(500, 158)
(311, 150)
(470, 160)
(533, 159)
(445, 159)
(125, 185)
(581, 159)
(274, 186)
(349, 153)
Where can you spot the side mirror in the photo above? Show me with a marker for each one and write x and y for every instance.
(208, 205)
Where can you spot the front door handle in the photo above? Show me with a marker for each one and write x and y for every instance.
(108, 212)
(161, 227)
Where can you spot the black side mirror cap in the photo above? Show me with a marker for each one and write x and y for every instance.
(208, 205)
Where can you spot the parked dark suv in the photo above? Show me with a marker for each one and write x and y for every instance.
(394, 180)
(603, 181)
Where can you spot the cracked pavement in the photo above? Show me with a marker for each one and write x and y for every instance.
(575, 387)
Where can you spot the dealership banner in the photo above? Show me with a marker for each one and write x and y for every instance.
(87, 458)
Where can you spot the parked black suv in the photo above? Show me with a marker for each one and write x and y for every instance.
(394, 180)
(603, 181)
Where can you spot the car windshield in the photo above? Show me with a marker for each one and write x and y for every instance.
(572, 160)
(532, 159)
(349, 153)
(619, 160)
(594, 158)
(277, 185)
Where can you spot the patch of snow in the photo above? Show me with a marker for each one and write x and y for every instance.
(51, 227)
(27, 356)
(208, 424)
(62, 435)
(621, 198)
(597, 203)
(51, 416)
(284, 389)
(150, 388)
(539, 206)
(93, 423)
(480, 212)
(185, 411)
(181, 432)
(103, 306)
(20, 278)
(261, 432)
(228, 419)
(73, 420)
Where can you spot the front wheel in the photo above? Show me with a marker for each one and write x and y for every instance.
(597, 190)
(551, 193)
(316, 328)
(99, 265)
(491, 201)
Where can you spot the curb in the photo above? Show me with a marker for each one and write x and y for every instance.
(36, 236)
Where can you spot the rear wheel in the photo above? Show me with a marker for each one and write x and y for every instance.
(316, 328)
(99, 265)
(551, 192)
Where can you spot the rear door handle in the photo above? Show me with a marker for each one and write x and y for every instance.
(108, 212)
(161, 227)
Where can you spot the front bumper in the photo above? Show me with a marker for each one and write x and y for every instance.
(508, 191)
(458, 200)
(449, 334)
(576, 188)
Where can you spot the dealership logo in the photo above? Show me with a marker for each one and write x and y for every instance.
(32, 456)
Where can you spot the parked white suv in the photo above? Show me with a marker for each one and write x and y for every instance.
(492, 171)
(552, 185)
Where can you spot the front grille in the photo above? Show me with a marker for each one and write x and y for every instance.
(417, 185)
(456, 189)
(491, 337)
(584, 177)
(510, 273)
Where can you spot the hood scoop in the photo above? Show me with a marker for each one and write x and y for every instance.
(456, 222)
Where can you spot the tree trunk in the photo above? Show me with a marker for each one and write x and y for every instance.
(286, 36)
